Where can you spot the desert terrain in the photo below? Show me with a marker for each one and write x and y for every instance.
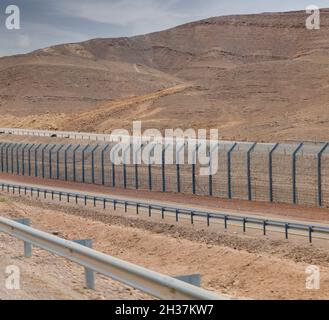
(259, 77)
(256, 77)
(238, 265)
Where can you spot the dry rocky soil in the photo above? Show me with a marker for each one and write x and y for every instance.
(242, 266)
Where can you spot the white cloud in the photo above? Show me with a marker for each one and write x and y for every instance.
(23, 41)
(124, 12)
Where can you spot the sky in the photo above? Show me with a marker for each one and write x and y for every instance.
(48, 22)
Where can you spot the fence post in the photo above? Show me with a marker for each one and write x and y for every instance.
(17, 159)
(163, 167)
(7, 157)
(29, 158)
(74, 160)
(294, 191)
(193, 167)
(210, 169)
(43, 160)
(150, 169)
(113, 164)
(57, 160)
(93, 164)
(2, 162)
(125, 167)
(136, 167)
(249, 170)
(65, 161)
(83, 162)
(12, 157)
(23, 158)
(319, 158)
(178, 166)
(229, 178)
(103, 163)
(2, 146)
(270, 170)
(36, 160)
(51, 162)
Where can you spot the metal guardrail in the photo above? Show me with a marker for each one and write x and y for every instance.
(191, 213)
(150, 282)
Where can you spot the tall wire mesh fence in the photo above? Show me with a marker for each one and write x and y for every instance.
(281, 173)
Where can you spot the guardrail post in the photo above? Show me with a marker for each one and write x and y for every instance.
(65, 163)
(249, 170)
(27, 246)
(193, 279)
(83, 162)
(294, 191)
(51, 162)
(270, 170)
(264, 227)
(89, 274)
(319, 169)
(310, 234)
(229, 177)
(43, 160)
(286, 227)
(103, 163)
(57, 160)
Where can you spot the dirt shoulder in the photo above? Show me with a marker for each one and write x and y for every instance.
(241, 266)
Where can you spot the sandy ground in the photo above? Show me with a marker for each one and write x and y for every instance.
(241, 266)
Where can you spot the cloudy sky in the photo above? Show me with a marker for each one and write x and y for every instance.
(48, 22)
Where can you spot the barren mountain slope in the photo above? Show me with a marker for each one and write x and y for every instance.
(257, 77)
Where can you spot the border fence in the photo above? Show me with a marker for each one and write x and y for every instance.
(280, 173)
